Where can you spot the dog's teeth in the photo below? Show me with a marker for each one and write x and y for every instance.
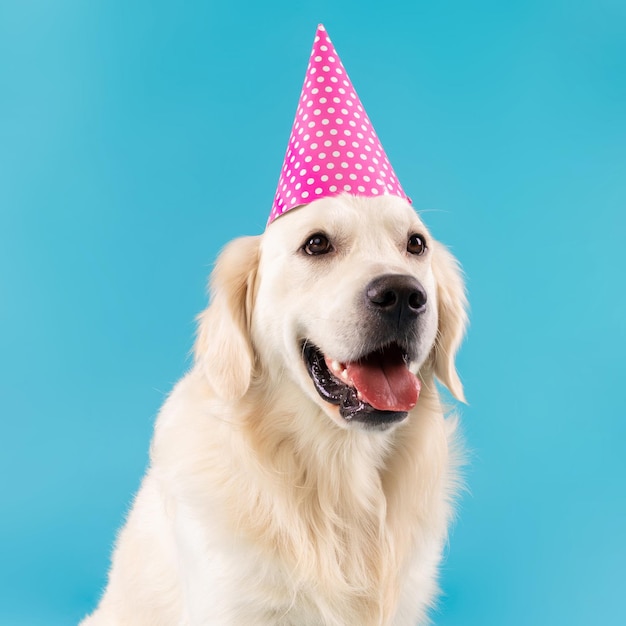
(358, 395)
(336, 367)
(344, 375)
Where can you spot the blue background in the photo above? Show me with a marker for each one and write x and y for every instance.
(136, 138)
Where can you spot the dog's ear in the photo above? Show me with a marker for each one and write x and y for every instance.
(452, 308)
(223, 346)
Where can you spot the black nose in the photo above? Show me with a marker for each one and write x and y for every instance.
(396, 295)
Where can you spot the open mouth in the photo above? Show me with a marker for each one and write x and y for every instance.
(377, 389)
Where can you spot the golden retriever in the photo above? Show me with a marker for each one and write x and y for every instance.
(302, 472)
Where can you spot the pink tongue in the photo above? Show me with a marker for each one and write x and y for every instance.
(385, 382)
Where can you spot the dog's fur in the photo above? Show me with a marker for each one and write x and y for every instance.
(262, 505)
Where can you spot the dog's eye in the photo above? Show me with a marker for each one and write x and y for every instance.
(317, 244)
(416, 245)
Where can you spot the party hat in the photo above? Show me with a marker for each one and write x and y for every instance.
(333, 147)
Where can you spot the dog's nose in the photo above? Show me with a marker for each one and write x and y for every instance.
(396, 295)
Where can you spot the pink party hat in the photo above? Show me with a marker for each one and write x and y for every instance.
(333, 147)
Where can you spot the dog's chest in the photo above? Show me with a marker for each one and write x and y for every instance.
(236, 581)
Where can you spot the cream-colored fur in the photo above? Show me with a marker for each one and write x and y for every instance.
(262, 505)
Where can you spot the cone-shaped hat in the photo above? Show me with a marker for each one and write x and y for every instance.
(333, 147)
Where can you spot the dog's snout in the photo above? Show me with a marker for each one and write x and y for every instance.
(396, 295)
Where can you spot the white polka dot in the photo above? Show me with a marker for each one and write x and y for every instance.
(330, 165)
(319, 133)
(331, 59)
(310, 181)
(328, 143)
(347, 187)
(350, 154)
(316, 168)
(358, 166)
(331, 110)
(333, 79)
(298, 185)
(374, 190)
(325, 68)
(308, 159)
(352, 176)
(342, 142)
(323, 49)
(344, 165)
(324, 178)
(292, 179)
(311, 124)
(305, 194)
(332, 188)
(361, 188)
(325, 121)
(318, 58)
(328, 89)
(336, 153)
(366, 179)
(321, 155)
(338, 175)
(317, 111)
(318, 190)
(338, 121)
(333, 131)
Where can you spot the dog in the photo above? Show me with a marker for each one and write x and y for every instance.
(303, 471)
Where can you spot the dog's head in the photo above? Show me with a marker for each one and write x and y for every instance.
(350, 299)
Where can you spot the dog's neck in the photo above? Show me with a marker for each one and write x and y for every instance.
(330, 494)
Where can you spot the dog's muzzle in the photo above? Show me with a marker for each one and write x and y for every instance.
(377, 388)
